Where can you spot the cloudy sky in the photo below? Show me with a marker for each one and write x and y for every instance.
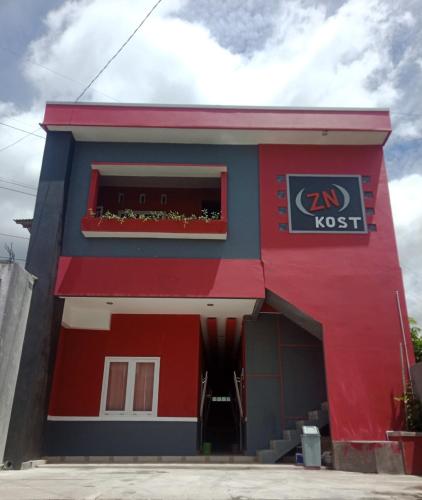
(342, 53)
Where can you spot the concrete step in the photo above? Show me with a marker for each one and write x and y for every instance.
(301, 423)
(291, 434)
(194, 459)
(283, 446)
(267, 456)
(320, 416)
(291, 437)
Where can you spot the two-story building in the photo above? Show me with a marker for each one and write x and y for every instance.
(210, 275)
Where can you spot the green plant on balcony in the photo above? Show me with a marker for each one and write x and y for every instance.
(171, 215)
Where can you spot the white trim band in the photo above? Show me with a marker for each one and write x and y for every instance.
(120, 418)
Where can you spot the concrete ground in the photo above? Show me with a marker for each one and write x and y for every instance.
(197, 482)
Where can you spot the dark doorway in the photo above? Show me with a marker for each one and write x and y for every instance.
(222, 422)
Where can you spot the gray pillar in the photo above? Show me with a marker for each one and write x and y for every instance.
(30, 403)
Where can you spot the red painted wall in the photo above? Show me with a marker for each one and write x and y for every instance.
(78, 373)
(347, 282)
(187, 201)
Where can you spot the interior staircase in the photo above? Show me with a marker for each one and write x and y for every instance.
(291, 437)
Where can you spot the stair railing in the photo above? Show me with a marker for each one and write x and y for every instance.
(238, 387)
(204, 383)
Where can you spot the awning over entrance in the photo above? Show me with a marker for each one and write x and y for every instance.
(220, 291)
(133, 277)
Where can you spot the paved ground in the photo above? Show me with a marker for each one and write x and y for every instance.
(197, 482)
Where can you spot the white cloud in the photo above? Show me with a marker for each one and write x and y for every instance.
(321, 53)
(309, 59)
(406, 203)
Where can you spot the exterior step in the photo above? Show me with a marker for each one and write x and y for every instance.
(267, 456)
(301, 423)
(283, 446)
(291, 434)
(320, 416)
(292, 437)
(194, 459)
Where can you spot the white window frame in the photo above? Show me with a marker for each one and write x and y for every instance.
(128, 413)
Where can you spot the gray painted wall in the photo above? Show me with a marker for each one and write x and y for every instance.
(243, 201)
(30, 403)
(120, 438)
(15, 297)
(284, 377)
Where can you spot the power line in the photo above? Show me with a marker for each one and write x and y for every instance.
(2, 179)
(61, 75)
(19, 140)
(118, 52)
(7, 258)
(14, 236)
(17, 191)
(97, 75)
(21, 130)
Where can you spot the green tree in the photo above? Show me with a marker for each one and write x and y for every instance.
(415, 333)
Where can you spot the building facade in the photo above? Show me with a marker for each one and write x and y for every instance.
(210, 275)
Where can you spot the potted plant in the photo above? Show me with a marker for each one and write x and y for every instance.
(411, 438)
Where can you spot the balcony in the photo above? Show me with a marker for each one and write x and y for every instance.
(156, 201)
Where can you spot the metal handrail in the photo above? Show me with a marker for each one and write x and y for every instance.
(203, 394)
(239, 401)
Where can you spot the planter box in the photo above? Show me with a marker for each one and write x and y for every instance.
(411, 444)
(95, 227)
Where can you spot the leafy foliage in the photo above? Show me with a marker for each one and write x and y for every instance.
(156, 216)
(413, 410)
(415, 333)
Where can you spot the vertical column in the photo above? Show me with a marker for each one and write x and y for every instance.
(223, 188)
(25, 437)
(93, 192)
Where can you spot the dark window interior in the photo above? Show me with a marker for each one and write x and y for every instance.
(185, 195)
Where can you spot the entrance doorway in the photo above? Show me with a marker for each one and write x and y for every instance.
(222, 409)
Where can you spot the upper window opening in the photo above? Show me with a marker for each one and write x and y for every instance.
(187, 196)
(157, 201)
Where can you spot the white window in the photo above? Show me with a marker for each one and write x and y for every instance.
(130, 387)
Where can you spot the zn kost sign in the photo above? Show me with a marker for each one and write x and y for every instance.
(325, 204)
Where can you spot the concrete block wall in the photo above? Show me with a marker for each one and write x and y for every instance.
(15, 297)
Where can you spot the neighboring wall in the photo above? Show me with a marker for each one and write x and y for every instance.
(242, 203)
(284, 377)
(77, 383)
(346, 282)
(15, 297)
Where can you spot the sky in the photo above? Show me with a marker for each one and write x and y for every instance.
(328, 53)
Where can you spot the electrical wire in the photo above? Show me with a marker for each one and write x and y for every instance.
(97, 75)
(21, 130)
(118, 52)
(2, 179)
(6, 257)
(17, 191)
(15, 236)
(19, 140)
(61, 75)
